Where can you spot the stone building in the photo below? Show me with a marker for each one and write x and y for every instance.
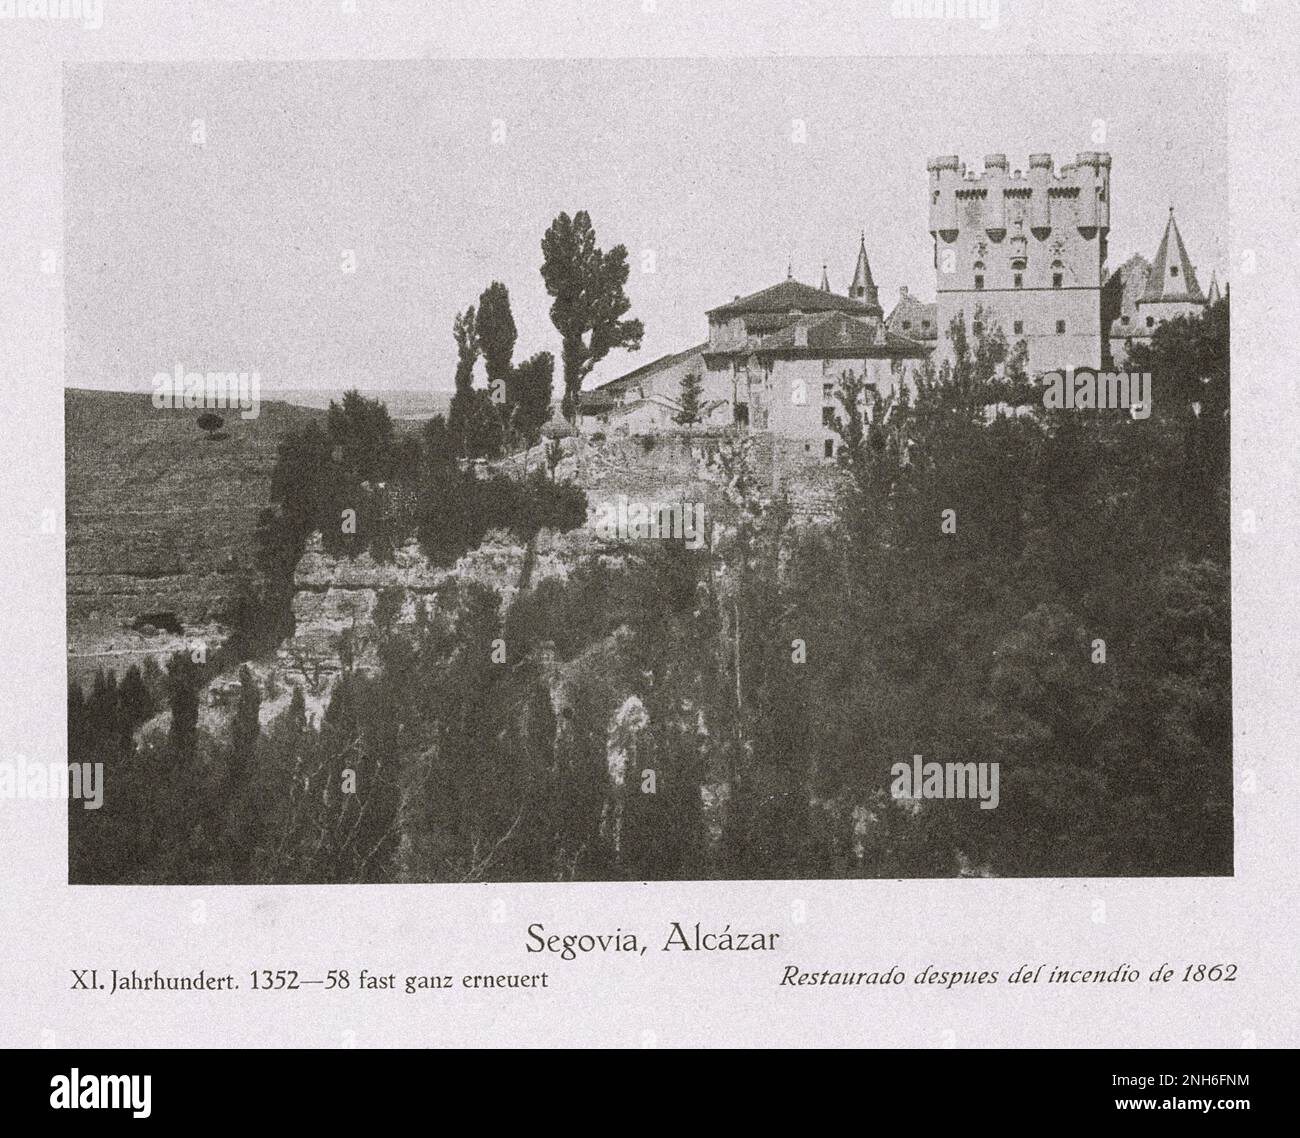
(914, 318)
(1141, 295)
(772, 363)
(1027, 250)
(648, 398)
(779, 355)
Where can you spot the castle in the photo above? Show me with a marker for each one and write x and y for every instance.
(1027, 253)
(772, 363)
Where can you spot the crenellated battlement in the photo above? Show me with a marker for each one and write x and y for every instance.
(1087, 164)
(1042, 198)
(1026, 246)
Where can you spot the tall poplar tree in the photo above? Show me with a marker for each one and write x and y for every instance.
(589, 300)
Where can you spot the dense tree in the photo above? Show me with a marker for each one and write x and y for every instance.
(530, 390)
(589, 304)
(245, 730)
(689, 398)
(461, 412)
(736, 710)
(135, 702)
(361, 434)
(183, 699)
(495, 333)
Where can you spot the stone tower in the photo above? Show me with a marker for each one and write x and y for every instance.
(1030, 251)
(1172, 289)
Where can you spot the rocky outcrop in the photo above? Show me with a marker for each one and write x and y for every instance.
(336, 598)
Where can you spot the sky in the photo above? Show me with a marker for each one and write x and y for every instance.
(433, 178)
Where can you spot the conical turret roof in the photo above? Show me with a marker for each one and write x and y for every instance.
(1172, 275)
(863, 287)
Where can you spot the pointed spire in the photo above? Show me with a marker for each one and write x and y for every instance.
(1172, 276)
(789, 270)
(826, 281)
(863, 287)
(1214, 297)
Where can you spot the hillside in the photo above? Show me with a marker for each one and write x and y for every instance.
(403, 403)
(160, 519)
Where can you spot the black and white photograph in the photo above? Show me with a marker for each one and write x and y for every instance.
(648, 524)
(636, 485)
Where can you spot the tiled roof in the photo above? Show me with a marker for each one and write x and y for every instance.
(923, 319)
(837, 335)
(1164, 284)
(645, 370)
(1130, 280)
(788, 296)
(595, 402)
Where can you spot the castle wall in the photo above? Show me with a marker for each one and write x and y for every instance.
(1045, 227)
(1162, 310)
(1038, 312)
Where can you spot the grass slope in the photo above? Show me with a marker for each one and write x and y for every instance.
(159, 517)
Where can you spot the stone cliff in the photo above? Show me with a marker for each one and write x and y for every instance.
(335, 597)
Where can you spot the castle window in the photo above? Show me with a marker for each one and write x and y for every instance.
(1020, 281)
(1124, 320)
(979, 281)
(828, 417)
(979, 328)
(829, 448)
(906, 325)
(1151, 321)
(1060, 327)
(828, 391)
(1018, 327)
(1057, 279)
(925, 324)
(1173, 270)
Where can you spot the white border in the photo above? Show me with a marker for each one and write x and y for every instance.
(664, 999)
